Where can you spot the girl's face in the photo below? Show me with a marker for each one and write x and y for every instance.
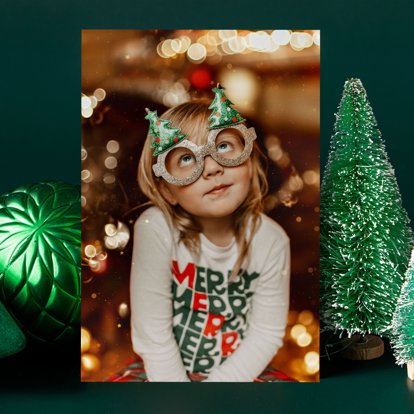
(217, 193)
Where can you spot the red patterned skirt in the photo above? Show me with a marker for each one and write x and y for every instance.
(135, 372)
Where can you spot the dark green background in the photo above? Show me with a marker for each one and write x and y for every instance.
(40, 139)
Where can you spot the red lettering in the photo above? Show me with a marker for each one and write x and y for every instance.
(199, 301)
(189, 273)
(229, 342)
(213, 324)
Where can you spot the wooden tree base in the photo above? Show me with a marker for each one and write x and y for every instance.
(410, 370)
(364, 347)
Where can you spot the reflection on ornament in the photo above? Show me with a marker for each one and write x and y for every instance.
(116, 237)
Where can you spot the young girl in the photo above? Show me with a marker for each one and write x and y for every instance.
(210, 272)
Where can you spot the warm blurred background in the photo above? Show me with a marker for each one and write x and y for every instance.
(272, 77)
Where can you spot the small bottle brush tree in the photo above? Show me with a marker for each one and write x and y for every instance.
(402, 338)
(365, 235)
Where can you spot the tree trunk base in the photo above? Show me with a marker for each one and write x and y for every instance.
(410, 370)
(364, 348)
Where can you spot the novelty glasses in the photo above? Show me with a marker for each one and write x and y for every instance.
(184, 163)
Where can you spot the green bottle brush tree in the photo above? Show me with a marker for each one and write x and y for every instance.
(402, 338)
(365, 234)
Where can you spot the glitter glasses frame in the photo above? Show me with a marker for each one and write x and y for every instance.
(200, 152)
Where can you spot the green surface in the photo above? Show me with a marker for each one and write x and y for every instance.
(40, 139)
(374, 387)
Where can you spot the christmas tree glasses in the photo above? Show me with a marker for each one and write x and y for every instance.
(184, 163)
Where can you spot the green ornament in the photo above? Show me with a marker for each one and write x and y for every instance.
(402, 338)
(40, 283)
(162, 135)
(222, 113)
(12, 339)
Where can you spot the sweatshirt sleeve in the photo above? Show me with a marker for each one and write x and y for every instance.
(266, 321)
(151, 300)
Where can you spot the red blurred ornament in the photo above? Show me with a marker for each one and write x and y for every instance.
(200, 78)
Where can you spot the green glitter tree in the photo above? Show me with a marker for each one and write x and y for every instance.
(365, 235)
(163, 136)
(222, 112)
(403, 321)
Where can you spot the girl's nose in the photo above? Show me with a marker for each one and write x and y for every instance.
(211, 167)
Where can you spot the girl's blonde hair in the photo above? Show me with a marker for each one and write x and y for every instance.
(192, 118)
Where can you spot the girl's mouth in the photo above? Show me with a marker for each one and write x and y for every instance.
(218, 189)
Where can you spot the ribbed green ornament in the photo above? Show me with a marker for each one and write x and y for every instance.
(40, 233)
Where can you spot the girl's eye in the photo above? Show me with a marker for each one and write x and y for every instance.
(224, 147)
(186, 160)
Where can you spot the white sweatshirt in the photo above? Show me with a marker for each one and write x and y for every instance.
(186, 316)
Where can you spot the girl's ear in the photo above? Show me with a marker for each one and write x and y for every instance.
(167, 194)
